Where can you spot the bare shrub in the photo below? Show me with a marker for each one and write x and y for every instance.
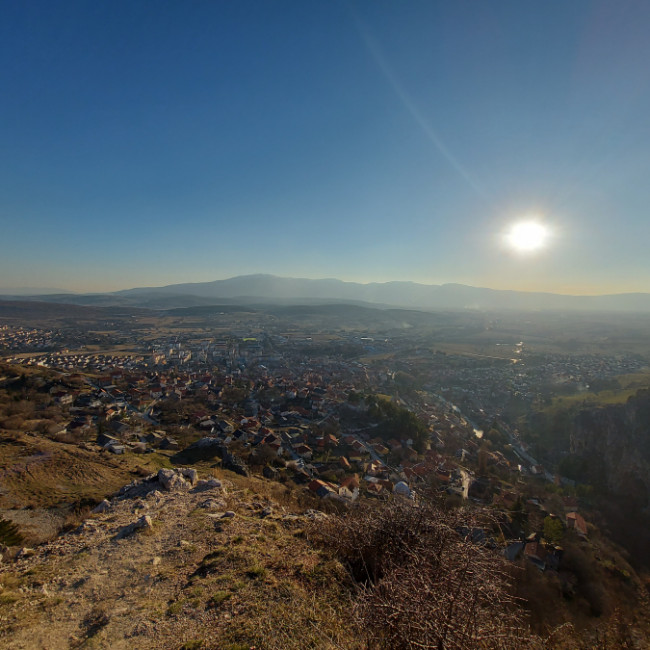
(616, 632)
(9, 533)
(78, 513)
(95, 620)
(423, 580)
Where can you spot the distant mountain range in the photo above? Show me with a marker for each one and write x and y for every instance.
(31, 291)
(269, 289)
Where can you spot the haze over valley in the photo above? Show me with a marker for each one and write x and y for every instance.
(269, 289)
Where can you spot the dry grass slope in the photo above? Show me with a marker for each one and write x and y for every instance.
(195, 578)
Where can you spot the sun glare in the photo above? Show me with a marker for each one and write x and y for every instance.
(527, 236)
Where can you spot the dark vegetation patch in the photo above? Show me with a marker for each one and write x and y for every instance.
(9, 533)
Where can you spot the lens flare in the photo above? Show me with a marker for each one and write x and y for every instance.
(527, 236)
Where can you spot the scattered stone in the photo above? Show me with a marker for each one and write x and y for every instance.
(140, 488)
(25, 552)
(171, 481)
(315, 515)
(156, 561)
(102, 507)
(190, 474)
(165, 477)
(85, 527)
(208, 484)
(266, 512)
(154, 495)
(127, 488)
(228, 513)
(142, 523)
(211, 504)
(179, 483)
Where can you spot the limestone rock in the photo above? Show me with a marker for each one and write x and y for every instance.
(85, 527)
(165, 477)
(232, 462)
(171, 481)
(213, 504)
(154, 495)
(208, 484)
(102, 507)
(179, 483)
(190, 475)
(143, 523)
(315, 515)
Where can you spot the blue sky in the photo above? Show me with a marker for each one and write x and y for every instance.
(148, 143)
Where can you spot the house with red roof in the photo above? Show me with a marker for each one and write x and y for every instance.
(576, 522)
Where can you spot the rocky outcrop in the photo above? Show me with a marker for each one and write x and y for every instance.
(233, 463)
(141, 524)
(103, 506)
(613, 443)
(166, 480)
(209, 447)
(156, 567)
(172, 480)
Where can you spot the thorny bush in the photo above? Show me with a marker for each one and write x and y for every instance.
(426, 577)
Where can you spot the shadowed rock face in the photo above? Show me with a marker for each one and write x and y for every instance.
(615, 443)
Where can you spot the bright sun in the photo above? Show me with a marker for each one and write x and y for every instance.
(527, 236)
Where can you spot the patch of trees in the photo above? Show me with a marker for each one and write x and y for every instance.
(397, 422)
(232, 396)
(407, 382)
(579, 469)
(549, 432)
(553, 530)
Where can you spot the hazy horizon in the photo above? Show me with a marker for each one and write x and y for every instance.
(149, 144)
(26, 291)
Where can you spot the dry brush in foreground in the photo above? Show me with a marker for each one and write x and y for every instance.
(424, 581)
